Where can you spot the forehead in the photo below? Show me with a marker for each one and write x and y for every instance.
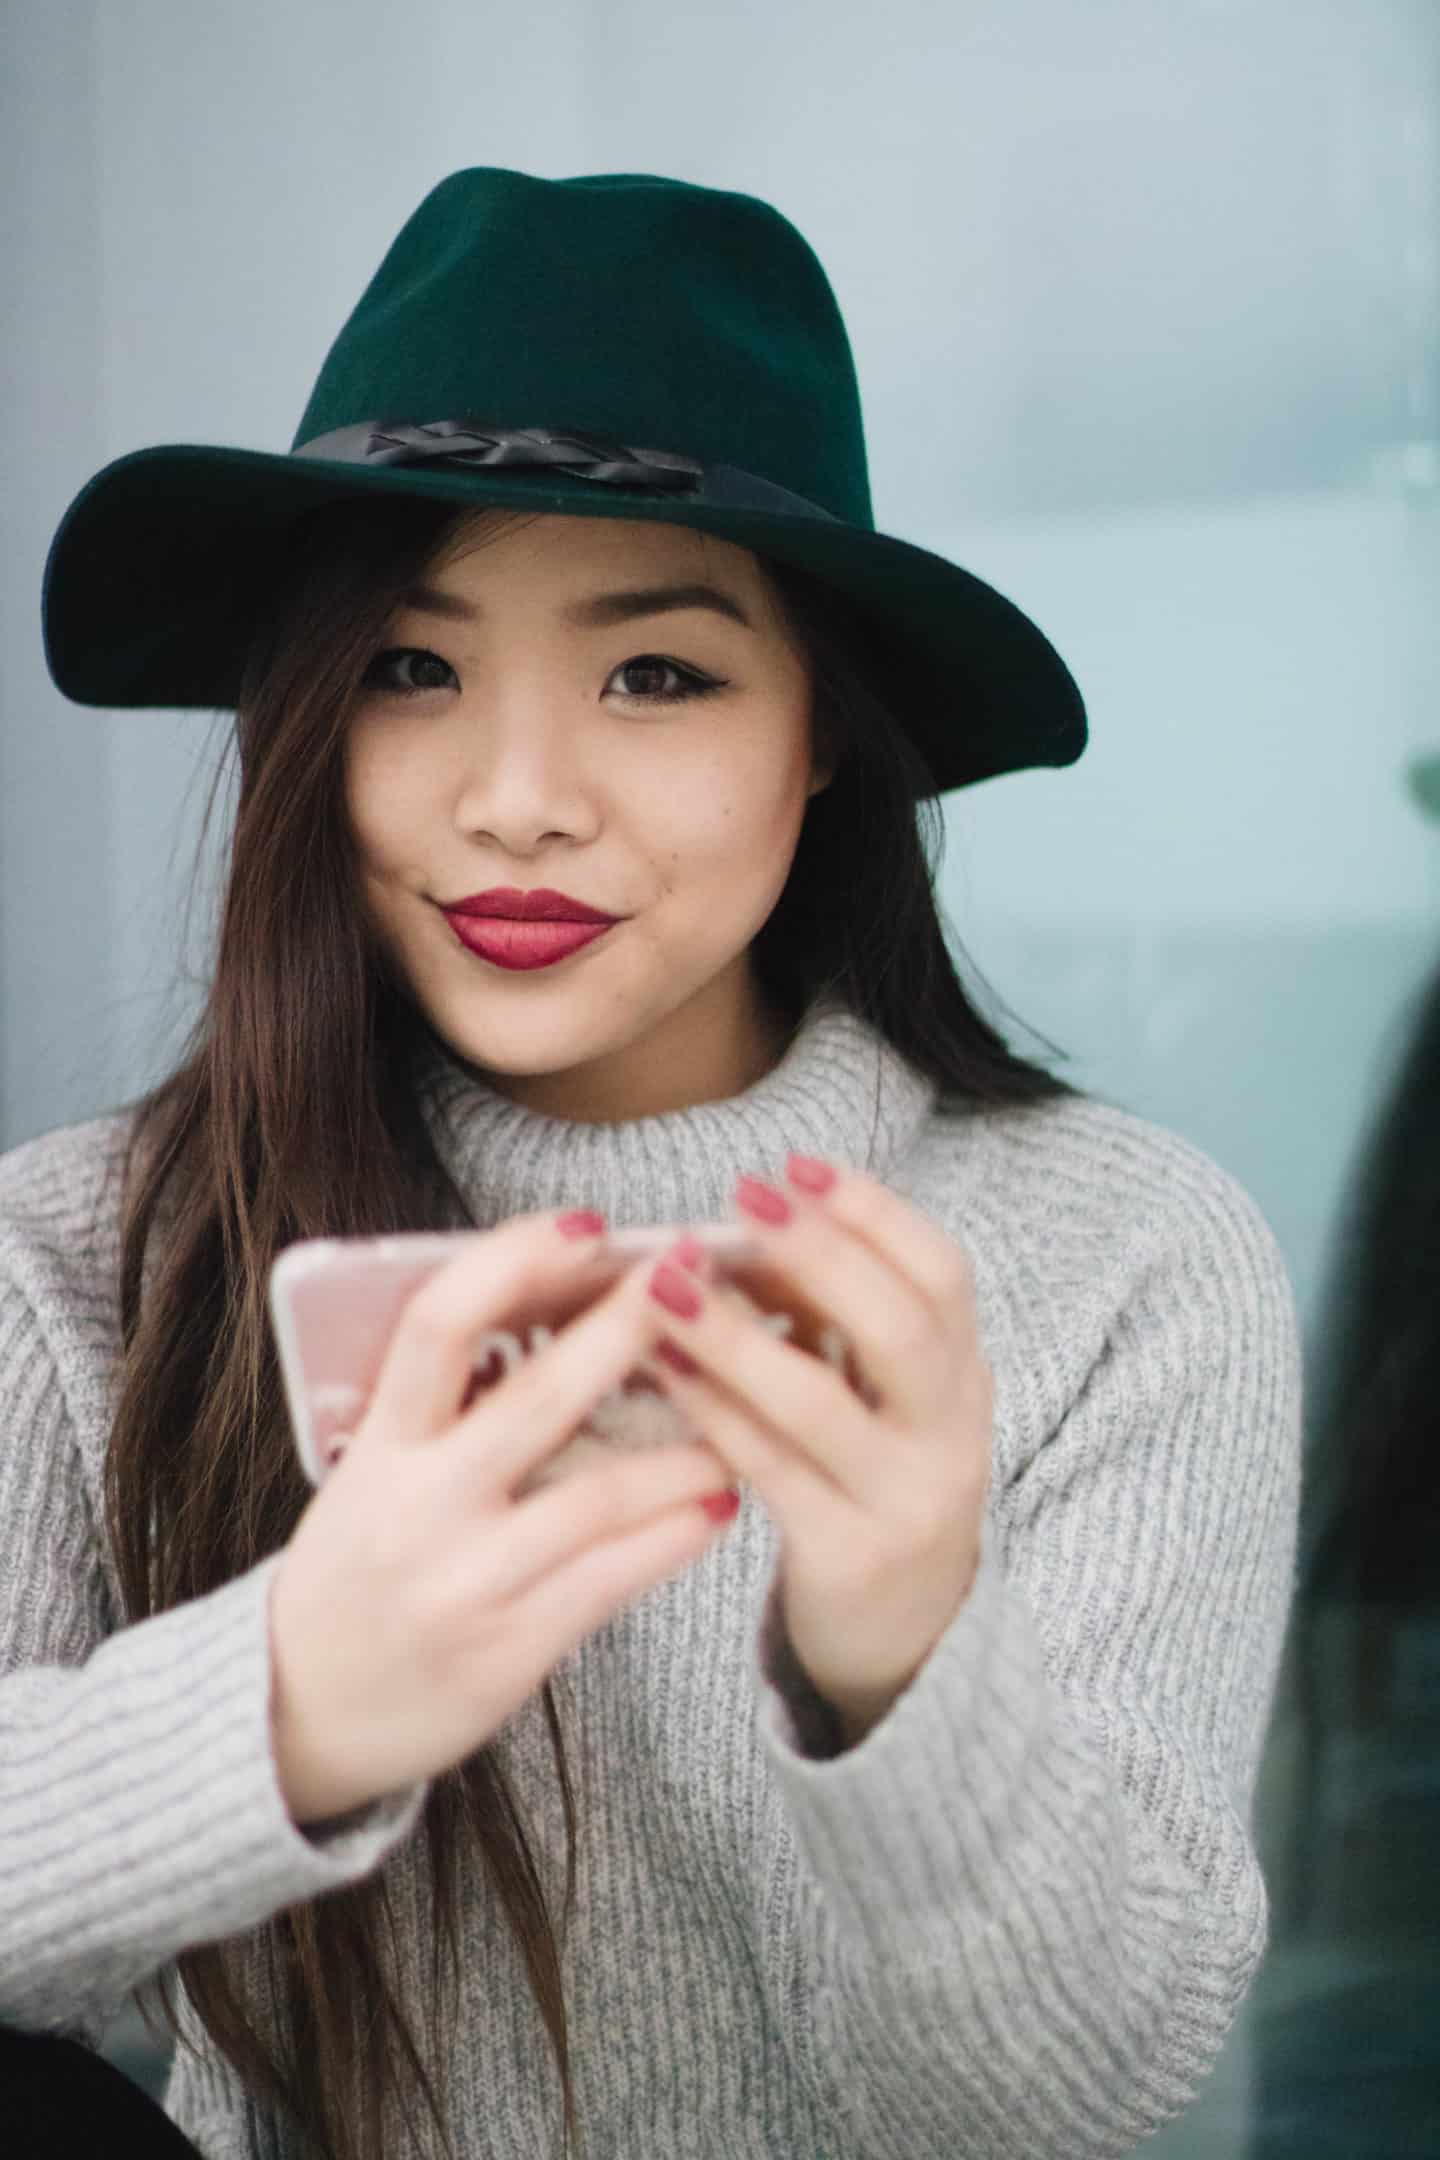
(572, 554)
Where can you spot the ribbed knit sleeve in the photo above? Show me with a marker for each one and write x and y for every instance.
(1035, 1902)
(139, 1807)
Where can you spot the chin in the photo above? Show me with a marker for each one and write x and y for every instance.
(524, 1047)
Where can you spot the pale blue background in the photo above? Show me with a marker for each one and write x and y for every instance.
(1145, 303)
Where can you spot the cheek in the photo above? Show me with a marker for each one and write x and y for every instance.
(385, 798)
(731, 832)
(364, 786)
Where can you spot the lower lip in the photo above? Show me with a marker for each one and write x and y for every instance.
(513, 944)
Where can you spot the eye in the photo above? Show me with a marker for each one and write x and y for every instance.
(656, 680)
(384, 672)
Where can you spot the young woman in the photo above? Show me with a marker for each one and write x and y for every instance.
(914, 1810)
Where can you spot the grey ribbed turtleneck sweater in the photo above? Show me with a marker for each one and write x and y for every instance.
(1016, 1920)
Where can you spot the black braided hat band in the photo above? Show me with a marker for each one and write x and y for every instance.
(572, 452)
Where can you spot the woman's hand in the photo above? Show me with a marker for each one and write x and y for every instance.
(418, 1603)
(878, 1496)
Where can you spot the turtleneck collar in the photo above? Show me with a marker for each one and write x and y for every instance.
(840, 1091)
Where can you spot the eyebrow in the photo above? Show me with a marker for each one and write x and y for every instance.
(601, 609)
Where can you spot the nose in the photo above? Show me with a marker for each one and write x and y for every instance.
(522, 779)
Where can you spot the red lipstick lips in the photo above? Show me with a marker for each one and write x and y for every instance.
(525, 930)
(542, 905)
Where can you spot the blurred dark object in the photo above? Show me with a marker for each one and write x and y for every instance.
(62, 2100)
(1347, 2008)
(1373, 1505)
(1348, 2071)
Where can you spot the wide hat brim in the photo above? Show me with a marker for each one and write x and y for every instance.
(153, 582)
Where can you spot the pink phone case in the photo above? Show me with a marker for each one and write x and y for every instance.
(334, 1303)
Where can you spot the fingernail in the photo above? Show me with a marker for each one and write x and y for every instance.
(762, 1201)
(670, 1354)
(676, 1292)
(721, 1506)
(689, 1253)
(581, 1222)
(808, 1174)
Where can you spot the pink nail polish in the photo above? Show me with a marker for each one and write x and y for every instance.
(676, 1292)
(581, 1222)
(808, 1174)
(762, 1201)
(721, 1506)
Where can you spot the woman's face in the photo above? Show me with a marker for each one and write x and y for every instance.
(617, 711)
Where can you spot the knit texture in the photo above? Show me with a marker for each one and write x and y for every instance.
(1015, 1920)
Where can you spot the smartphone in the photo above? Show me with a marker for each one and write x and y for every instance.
(334, 1303)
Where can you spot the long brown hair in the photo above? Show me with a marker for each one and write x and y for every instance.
(293, 1114)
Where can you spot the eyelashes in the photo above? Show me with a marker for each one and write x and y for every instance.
(379, 675)
(689, 682)
(685, 682)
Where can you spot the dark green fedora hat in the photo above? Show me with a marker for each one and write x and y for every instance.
(613, 346)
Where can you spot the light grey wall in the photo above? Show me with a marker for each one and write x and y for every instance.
(57, 893)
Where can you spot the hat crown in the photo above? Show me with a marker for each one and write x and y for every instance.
(653, 312)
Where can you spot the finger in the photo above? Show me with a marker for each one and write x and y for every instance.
(893, 1228)
(794, 1485)
(815, 1415)
(569, 1601)
(557, 1525)
(430, 1354)
(894, 1284)
(534, 1410)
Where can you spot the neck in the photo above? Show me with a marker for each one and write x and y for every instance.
(837, 1089)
